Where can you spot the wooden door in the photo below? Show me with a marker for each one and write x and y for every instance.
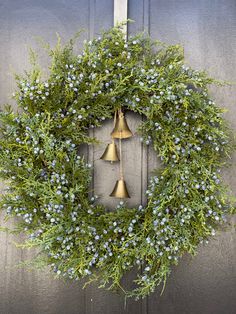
(207, 28)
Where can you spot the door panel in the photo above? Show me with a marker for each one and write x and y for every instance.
(207, 29)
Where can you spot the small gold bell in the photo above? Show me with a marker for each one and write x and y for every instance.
(121, 129)
(120, 190)
(110, 152)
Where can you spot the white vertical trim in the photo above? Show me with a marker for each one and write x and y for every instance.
(91, 18)
(146, 16)
(121, 13)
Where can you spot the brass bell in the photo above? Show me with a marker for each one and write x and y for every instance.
(110, 153)
(120, 190)
(121, 129)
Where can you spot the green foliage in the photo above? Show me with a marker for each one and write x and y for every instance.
(48, 181)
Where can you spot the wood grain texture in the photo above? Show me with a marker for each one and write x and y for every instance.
(207, 29)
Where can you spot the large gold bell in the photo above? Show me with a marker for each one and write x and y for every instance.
(120, 190)
(110, 152)
(121, 129)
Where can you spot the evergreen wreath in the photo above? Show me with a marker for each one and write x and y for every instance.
(48, 181)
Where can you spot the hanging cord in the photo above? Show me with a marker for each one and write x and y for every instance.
(120, 148)
(121, 160)
(114, 124)
(115, 117)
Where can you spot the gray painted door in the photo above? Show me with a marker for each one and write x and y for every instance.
(205, 284)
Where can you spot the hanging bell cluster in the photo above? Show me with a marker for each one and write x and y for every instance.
(120, 131)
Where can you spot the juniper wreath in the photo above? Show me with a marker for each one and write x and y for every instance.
(48, 181)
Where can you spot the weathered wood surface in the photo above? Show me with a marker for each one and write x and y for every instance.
(207, 29)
